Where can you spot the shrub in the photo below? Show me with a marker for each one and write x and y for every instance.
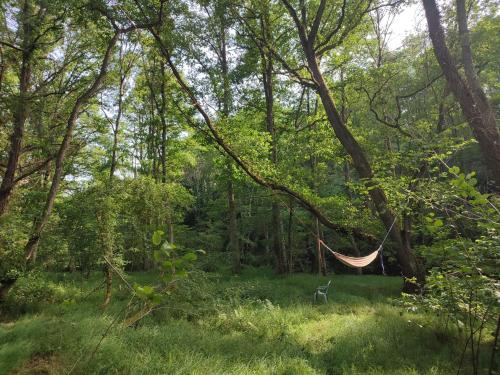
(29, 292)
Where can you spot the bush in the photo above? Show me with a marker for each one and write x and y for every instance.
(29, 291)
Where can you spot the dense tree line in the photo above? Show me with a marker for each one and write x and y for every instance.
(248, 129)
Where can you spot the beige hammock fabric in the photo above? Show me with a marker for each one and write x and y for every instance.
(356, 262)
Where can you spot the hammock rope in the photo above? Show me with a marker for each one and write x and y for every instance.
(381, 247)
(355, 262)
(359, 262)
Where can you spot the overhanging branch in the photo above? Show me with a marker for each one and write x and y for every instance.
(254, 175)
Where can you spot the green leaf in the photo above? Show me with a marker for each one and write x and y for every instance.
(181, 274)
(167, 246)
(157, 236)
(190, 257)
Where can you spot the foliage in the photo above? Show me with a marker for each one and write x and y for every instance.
(218, 126)
(462, 285)
(29, 292)
(173, 265)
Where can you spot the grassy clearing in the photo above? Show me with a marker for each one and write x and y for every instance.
(256, 323)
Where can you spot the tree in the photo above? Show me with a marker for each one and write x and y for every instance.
(313, 49)
(88, 93)
(38, 24)
(468, 92)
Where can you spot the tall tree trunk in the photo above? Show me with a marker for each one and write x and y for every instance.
(3, 68)
(233, 229)
(320, 255)
(114, 156)
(319, 250)
(32, 245)
(234, 246)
(410, 267)
(116, 128)
(352, 240)
(163, 147)
(347, 169)
(163, 118)
(267, 79)
(21, 109)
(312, 243)
(469, 95)
(106, 238)
(320, 258)
(278, 249)
(290, 237)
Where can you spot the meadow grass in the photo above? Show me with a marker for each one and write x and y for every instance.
(256, 323)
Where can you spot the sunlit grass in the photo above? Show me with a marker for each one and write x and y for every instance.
(256, 323)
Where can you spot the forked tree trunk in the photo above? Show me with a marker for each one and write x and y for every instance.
(32, 245)
(268, 183)
(21, 110)
(469, 94)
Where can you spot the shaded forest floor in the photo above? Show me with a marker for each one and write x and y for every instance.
(256, 323)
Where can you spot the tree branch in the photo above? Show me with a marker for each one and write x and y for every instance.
(254, 175)
(7, 44)
(336, 29)
(300, 26)
(317, 20)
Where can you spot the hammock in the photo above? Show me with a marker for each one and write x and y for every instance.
(356, 262)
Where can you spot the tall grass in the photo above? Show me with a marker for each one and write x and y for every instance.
(256, 323)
